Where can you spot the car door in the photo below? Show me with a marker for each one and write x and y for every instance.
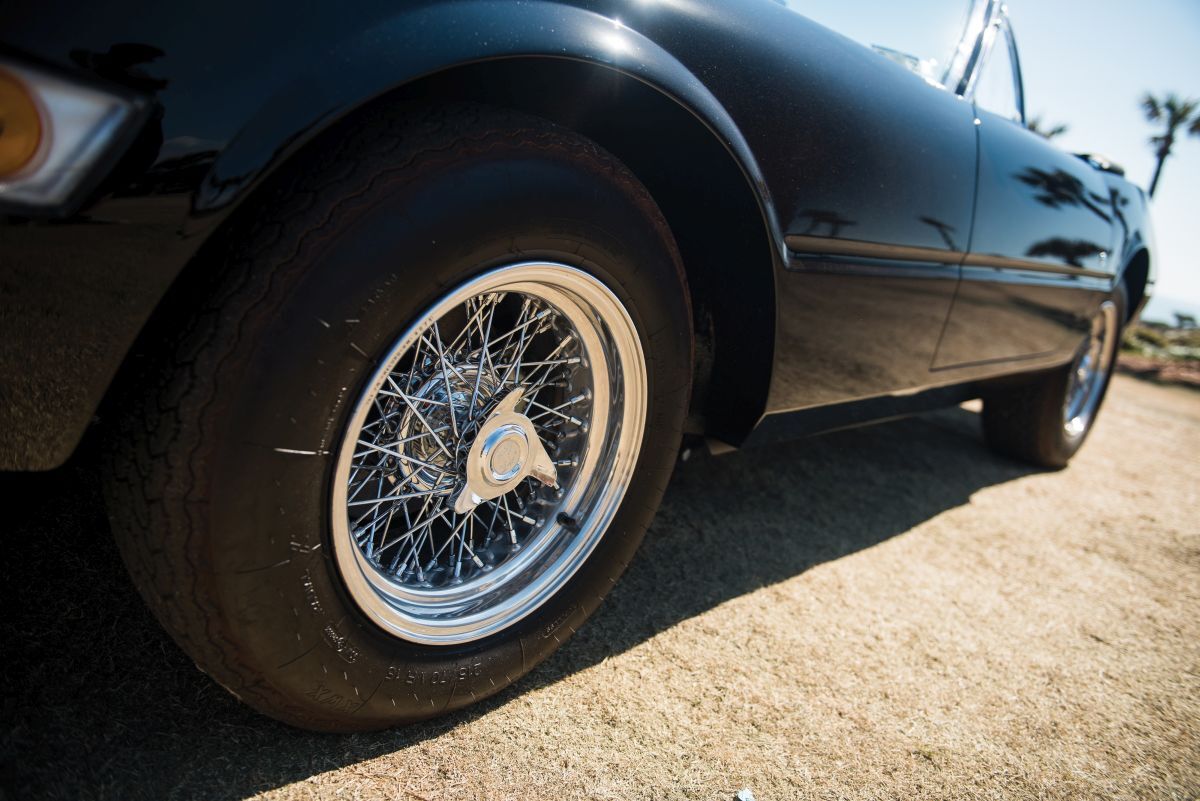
(1043, 232)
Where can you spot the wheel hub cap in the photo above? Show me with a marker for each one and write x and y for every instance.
(506, 452)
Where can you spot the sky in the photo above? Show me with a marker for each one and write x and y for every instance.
(1086, 64)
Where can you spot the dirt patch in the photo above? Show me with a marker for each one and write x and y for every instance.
(889, 612)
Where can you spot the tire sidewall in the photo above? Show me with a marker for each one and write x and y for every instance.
(336, 307)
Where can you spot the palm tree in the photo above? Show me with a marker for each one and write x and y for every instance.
(1035, 124)
(1174, 112)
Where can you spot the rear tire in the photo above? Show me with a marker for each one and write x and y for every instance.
(1045, 419)
(222, 486)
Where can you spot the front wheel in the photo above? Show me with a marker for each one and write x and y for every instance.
(1045, 420)
(425, 411)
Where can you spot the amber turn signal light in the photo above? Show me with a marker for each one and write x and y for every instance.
(20, 126)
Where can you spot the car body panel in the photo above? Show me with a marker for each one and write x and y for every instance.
(219, 137)
(1029, 287)
(828, 151)
(844, 152)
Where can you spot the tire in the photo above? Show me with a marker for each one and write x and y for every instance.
(222, 483)
(1042, 420)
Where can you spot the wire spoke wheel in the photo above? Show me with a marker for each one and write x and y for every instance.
(488, 453)
(1045, 418)
(420, 460)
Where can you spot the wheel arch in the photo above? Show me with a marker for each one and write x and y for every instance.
(717, 219)
(1136, 277)
(634, 100)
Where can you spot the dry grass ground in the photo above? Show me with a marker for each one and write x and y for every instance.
(889, 612)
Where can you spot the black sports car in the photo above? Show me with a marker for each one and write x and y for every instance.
(394, 315)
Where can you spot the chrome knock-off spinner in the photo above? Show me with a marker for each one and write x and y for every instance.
(506, 451)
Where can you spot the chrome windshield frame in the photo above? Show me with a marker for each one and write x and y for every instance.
(971, 46)
(988, 21)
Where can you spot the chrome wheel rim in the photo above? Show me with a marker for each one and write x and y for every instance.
(487, 455)
(1089, 372)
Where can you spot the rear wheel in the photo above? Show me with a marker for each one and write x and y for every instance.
(1046, 419)
(419, 426)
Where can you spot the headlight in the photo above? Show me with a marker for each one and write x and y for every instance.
(20, 126)
(53, 134)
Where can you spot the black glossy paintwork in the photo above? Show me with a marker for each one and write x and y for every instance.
(831, 139)
(830, 157)
(1038, 204)
(851, 328)
(1135, 232)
